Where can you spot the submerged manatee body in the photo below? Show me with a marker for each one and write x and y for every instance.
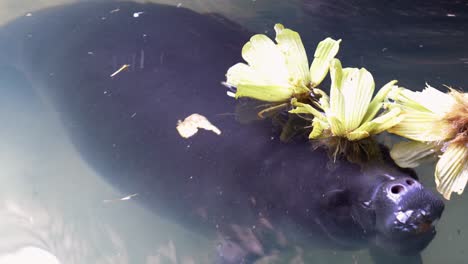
(253, 194)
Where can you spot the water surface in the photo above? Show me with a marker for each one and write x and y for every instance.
(46, 184)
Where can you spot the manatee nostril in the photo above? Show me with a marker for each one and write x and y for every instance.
(396, 189)
(409, 182)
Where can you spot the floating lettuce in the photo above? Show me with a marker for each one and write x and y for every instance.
(438, 122)
(350, 112)
(279, 72)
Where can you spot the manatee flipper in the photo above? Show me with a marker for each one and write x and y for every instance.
(381, 257)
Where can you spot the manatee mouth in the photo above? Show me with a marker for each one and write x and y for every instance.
(417, 222)
(408, 231)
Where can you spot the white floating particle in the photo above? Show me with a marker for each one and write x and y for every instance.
(192, 123)
(179, 4)
(29, 14)
(451, 15)
(121, 199)
(137, 14)
(128, 197)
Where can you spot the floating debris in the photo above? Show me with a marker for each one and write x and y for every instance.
(137, 14)
(192, 123)
(126, 198)
(125, 66)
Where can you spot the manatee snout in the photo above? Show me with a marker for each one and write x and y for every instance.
(406, 215)
(418, 204)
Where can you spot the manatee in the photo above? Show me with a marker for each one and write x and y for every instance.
(252, 194)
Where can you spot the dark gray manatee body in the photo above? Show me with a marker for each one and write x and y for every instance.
(253, 194)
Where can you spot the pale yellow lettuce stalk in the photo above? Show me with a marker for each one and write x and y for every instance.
(439, 123)
(350, 112)
(277, 72)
